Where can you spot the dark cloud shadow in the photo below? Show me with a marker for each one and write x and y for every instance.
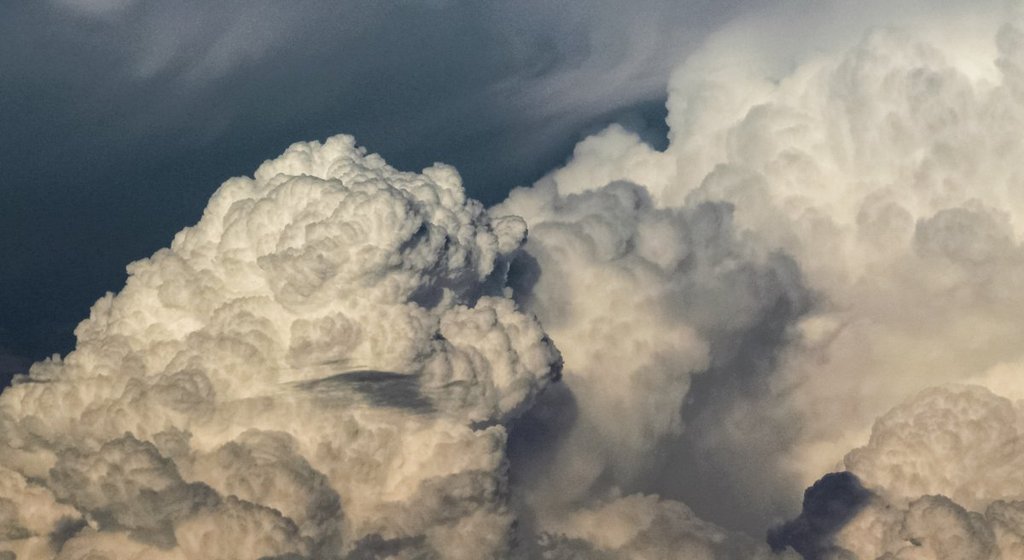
(64, 530)
(711, 466)
(523, 274)
(380, 388)
(533, 441)
(829, 504)
(375, 546)
(538, 433)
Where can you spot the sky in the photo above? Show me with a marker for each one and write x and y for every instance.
(120, 118)
(462, 280)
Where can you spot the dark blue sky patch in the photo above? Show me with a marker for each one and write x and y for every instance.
(119, 124)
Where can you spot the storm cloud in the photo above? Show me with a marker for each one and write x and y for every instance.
(648, 352)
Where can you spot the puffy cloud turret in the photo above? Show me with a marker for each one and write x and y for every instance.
(323, 362)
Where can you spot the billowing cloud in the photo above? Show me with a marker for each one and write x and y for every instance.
(870, 188)
(225, 403)
(641, 299)
(940, 480)
(344, 360)
(883, 168)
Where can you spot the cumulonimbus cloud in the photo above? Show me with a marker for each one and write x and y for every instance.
(344, 360)
(873, 188)
(321, 366)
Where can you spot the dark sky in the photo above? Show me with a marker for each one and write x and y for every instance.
(119, 118)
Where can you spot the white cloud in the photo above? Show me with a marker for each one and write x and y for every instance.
(327, 363)
(884, 164)
(944, 468)
(311, 365)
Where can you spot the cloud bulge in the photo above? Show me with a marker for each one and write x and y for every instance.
(646, 354)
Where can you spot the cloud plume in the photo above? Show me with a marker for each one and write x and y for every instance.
(878, 172)
(816, 280)
(208, 410)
